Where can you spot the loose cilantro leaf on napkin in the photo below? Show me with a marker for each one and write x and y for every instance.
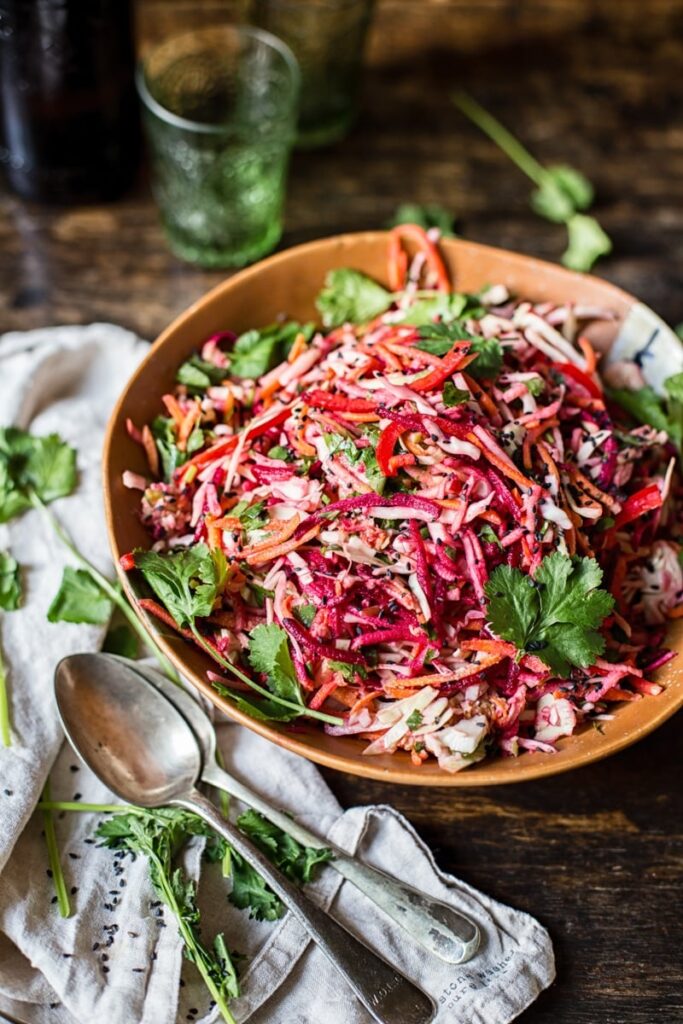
(187, 581)
(44, 467)
(79, 599)
(10, 599)
(555, 615)
(297, 862)
(10, 582)
(429, 215)
(257, 351)
(350, 296)
(561, 194)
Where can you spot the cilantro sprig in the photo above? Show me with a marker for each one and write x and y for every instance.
(188, 582)
(555, 615)
(562, 194)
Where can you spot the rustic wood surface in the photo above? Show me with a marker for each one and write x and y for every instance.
(596, 855)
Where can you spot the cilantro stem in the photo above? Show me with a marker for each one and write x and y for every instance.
(5, 732)
(301, 709)
(196, 952)
(108, 588)
(76, 805)
(53, 857)
(501, 136)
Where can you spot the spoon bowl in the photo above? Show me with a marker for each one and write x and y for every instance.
(142, 749)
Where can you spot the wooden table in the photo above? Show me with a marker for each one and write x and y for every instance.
(596, 855)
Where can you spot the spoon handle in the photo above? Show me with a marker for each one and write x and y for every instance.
(386, 994)
(438, 928)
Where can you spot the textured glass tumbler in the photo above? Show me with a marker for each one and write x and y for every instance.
(327, 38)
(220, 109)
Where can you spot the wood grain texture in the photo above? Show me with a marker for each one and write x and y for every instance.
(596, 855)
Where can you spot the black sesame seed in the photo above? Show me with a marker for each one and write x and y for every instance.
(75, 856)
(77, 796)
(74, 890)
(73, 767)
(139, 970)
(67, 956)
(53, 900)
(105, 969)
(104, 957)
(9, 792)
(95, 946)
(49, 873)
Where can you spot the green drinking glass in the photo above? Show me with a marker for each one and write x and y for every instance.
(327, 38)
(220, 109)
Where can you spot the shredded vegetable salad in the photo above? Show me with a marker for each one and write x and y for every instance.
(425, 525)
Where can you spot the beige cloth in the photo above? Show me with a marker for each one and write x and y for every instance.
(118, 959)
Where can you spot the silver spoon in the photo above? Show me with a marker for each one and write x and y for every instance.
(140, 746)
(440, 929)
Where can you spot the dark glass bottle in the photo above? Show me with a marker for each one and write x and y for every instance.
(69, 129)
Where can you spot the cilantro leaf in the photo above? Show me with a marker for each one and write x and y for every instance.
(430, 215)
(10, 582)
(121, 640)
(489, 361)
(414, 720)
(587, 243)
(198, 374)
(79, 599)
(250, 891)
(562, 191)
(305, 613)
(297, 862)
(365, 457)
(646, 406)
(439, 338)
(489, 536)
(187, 581)
(535, 386)
(44, 466)
(251, 516)
(164, 434)
(351, 297)
(513, 605)
(557, 615)
(279, 452)
(454, 396)
(269, 655)
(423, 312)
(257, 351)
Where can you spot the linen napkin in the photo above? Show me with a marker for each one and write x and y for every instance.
(119, 957)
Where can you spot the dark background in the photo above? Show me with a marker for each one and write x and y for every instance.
(596, 855)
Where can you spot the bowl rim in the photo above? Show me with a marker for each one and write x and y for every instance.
(482, 774)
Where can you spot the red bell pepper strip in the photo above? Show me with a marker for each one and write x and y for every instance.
(449, 364)
(645, 500)
(127, 562)
(579, 377)
(226, 446)
(419, 236)
(339, 403)
(385, 448)
(398, 263)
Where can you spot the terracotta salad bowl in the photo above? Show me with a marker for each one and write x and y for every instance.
(288, 284)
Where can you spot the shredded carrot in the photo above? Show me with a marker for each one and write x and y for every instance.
(321, 695)
(173, 409)
(297, 348)
(281, 531)
(277, 550)
(588, 353)
(151, 451)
